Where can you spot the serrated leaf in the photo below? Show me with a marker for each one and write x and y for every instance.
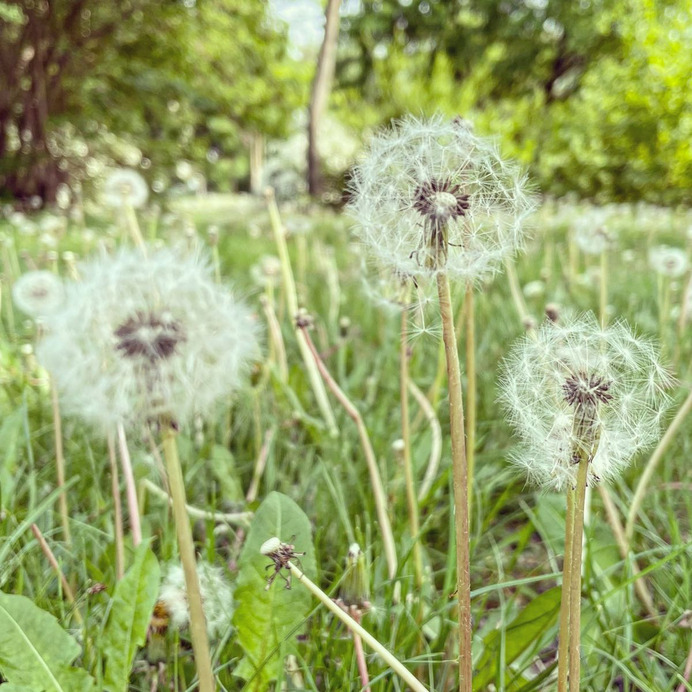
(266, 620)
(523, 632)
(131, 608)
(35, 651)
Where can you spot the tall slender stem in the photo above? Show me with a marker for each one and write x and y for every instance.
(651, 465)
(292, 304)
(117, 511)
(355, 628)
(575, 579)
(564, 635)
(130, 488)
(368, 452)
(60, 464)
(460, 481)
(198, 628)
(470, 387)
(408, 467)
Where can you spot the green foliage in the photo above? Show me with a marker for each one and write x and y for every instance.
(35, 652)
(267, 619)
(503, 646)
(131, 607)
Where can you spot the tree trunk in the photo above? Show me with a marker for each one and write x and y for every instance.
(320, 91)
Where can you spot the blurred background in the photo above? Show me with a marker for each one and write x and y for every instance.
(594, 96)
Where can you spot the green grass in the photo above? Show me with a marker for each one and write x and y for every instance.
(516, 532)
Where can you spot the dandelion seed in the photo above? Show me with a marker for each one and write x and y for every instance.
(125, 187)
(578, 388)
(143, 337)
(217, 598)
(38, 293)
(432, 197)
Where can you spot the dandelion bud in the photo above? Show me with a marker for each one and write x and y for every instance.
(344, 327)
(552, 312)
(355, 585)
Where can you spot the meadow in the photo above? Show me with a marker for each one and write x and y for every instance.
(273, 436)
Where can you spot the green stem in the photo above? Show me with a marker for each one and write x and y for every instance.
(603, 286)
(408, 467)
(198, 627)
(368, 452)
(651, 465)
(575, 578)
(563, 642)
(355, 628)
(292, 304)
(459, 481)
(470, 388)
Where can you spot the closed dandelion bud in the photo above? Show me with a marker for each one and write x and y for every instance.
(552, 312)
(580, 391)
(355, 585)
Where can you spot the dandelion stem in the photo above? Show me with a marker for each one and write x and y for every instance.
(130, 488)
(375, 480)
(408, 467)
(575, 576)
(435, 444)
(603, 289)
(292, 303)
(133, 228)
(470, 388)
(460, 481)
(50, 556)
(60, 464)
(619, 534)
(117, 511)
(276, 339)
(515, 290)
(564, 633)
(198, 628)
(355, 628)
(651, 465)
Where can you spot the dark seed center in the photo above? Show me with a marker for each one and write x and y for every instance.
(149, 336)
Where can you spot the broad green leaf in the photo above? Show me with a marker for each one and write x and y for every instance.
(266, 620)
(35, 652)
(522, 633)
(126, 629)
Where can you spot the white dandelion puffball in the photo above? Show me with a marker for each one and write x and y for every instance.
(590, 231)
(578, 389)
(38, 293)
(125, 187)
(143, 337)
(668, 261)
(217, 598)
(432, 197)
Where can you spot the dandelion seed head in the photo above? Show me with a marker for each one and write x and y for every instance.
(143, 337)
(668, 261)
(577, 388)
(431, 196)
(217, 598)
(38, 293)
(591, 233)
(125, 187)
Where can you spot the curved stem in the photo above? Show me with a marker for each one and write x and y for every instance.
(435, 443)
(459, 482)
(368, 452)
(408, 467)
(651, 465)
(355, 628)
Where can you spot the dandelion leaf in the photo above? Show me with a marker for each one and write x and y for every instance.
(267, 620)
(126, 629)
(35, 651)
(523, 632)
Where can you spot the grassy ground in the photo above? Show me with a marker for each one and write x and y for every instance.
(516, 532)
